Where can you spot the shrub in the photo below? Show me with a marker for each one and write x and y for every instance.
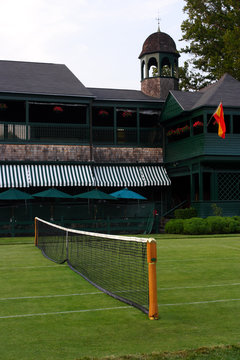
(195, 226)
(199, 226)
(230, 225)
(174, 226)
(217, 210)
(187, 213)
(223, 225)
(216, 224)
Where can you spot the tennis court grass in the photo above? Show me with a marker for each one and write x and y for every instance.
(49, 312)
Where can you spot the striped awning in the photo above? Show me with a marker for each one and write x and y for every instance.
(14, 176)
(131, 175)
(61, 175)
(45, 175)
(82, 175)
(155, 175)
(118, 176)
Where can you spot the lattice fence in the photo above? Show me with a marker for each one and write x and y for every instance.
(228, 186)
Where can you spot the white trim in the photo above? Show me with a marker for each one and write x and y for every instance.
(97, 235)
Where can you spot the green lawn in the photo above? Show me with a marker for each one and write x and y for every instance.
(49, 312)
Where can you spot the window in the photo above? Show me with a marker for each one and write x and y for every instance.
(126, 118)
(153, 67)
(175, 69)
(143, 70)
(57, 113)
(236, 124)
(126, 126)
(103, 116)
(12, 111)
(197, 124)
(166, 67)
(150, 128)
(212, 125)
(178, 132)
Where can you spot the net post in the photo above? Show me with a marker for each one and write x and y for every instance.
(36, 232)
(152, 279)
(67, 244)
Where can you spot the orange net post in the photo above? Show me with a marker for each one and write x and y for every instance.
(152, 279)
(36, 232)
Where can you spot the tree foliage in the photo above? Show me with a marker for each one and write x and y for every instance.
(212, 31)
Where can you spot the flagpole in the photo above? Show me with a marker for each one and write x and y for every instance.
(213, 114)
(209, 120)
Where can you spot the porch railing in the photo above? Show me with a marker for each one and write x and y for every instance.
(79, 134)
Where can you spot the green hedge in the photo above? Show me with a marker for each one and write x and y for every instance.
(187, 213)
(199, 226)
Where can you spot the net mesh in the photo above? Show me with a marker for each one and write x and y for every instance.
(116, 265)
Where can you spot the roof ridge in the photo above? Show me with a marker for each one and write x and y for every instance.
(107, 88)
(213, 93)
(31, 62)
(218, 82)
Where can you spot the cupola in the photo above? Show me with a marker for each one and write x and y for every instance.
(159, 65)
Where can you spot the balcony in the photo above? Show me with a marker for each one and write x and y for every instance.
(209, 144)
(43, 133)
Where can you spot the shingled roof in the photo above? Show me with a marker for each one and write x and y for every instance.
(39, 78)
(122, 95)
(227, 90)
(158, 42)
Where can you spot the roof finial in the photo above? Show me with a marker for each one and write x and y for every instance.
(158, 20)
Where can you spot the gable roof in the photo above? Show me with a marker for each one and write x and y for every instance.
(39, 78)
(186, 100)
(227, 90)
(121, 94)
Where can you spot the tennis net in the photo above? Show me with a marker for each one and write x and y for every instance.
(118, 265)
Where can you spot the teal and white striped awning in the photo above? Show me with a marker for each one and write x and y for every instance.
(155, 175)
(118, 176)
(61, 175)
(126, 175)
(20, 176)
(45, 175)
(14, 176)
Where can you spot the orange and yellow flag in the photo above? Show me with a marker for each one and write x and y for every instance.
(219, 117)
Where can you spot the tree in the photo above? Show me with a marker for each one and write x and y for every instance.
(213, 31)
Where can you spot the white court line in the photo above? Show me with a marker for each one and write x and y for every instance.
(64, 312)
(114, 308)
(200, 302)
(31, 267)
(231, 247)
(49, 296)
(162, 261)
(197, 286)
(101, 292)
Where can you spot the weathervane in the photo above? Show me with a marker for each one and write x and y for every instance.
(158, 20)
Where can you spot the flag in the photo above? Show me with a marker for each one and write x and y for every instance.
(219, 117)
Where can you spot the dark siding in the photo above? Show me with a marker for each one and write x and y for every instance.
(185, 148)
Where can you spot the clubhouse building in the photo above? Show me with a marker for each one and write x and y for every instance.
(158, 141)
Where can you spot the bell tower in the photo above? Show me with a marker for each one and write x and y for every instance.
(159, 65)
